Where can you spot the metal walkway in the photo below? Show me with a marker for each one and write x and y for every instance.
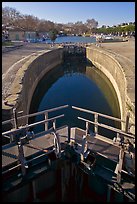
(24, 151)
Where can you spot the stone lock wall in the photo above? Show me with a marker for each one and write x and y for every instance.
(27, 79)
(29, 75)
(111, 67)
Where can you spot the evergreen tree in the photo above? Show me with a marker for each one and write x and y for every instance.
(53, 35)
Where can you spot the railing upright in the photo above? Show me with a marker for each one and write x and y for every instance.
(127, 122)
(120, 164)
(54, 124)
(96, 121)
(15, 118)
(46, 118)
(87, 128)
(21, 157)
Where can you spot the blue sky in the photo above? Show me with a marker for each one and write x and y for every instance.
(106, 13)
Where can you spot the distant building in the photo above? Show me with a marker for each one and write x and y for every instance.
(21, 35)
(30, 35)
(16, 35)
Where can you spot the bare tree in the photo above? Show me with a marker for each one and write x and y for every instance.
(10, 15)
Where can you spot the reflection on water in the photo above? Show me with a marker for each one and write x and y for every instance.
(77, 83)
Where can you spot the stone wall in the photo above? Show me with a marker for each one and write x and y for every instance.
(38, 65)
(27, 79)
(112, 68)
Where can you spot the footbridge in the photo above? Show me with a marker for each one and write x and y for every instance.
(74, 50)
(30, 158)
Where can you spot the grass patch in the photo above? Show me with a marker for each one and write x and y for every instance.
(7, 43)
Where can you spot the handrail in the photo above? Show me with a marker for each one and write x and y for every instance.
(35, 114)
(7, 121)
(107, 127)
(96, 123)
(100, 114)
(31, 125)
(96, 115)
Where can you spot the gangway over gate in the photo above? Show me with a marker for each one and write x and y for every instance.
(23, 154)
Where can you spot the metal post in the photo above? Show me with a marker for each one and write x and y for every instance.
(62, 184)
(108, 193)
(87, 127)
(34, 190)
(15, 118)
(11, 138)
(96, 121)
(121, 157)
(46, 124)
(57, 144)
(21, 158)
(69, 133)
(127, 122)
(54, 124)
(84, 145)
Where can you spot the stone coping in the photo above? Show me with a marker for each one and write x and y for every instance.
(15, 87)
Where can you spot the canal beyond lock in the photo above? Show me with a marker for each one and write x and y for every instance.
(76, 82)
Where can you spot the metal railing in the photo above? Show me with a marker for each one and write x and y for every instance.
(11, 134)
(47, 120)
(16, 117)
(118, 132)
(23, 129)
(97, 124)
(19, 137)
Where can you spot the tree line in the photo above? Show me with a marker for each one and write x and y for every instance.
(117, 29)
(13, 18)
